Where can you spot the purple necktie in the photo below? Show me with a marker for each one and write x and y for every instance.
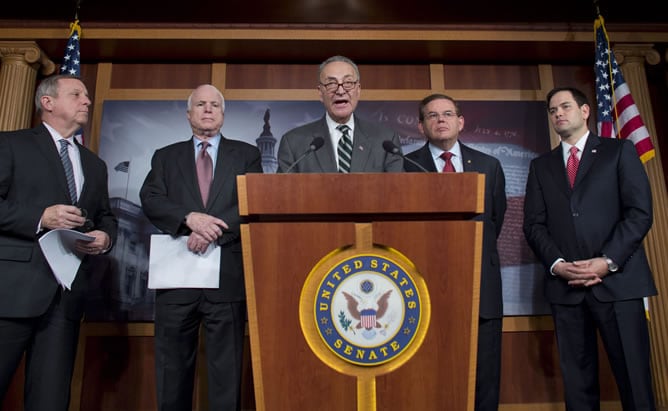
(204, 171)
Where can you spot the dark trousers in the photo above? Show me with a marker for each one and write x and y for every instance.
(176, 341)
(488, 367)
(50, 344)
(623, 329)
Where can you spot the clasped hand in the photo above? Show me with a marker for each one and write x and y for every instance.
(583, 273)
(205, 230)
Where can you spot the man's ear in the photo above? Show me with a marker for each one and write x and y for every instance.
(47, 103)
(585, 111)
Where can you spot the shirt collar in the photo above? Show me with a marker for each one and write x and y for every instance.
(332, 125)
(436, 152)
(580, 144)
(55, 135)
(213, 141)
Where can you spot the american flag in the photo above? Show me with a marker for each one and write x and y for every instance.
(123, 166)
(71, 61)
(618, 116)
(71, 57)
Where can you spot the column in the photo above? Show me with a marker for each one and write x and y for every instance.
(19, 63)
(632, 58)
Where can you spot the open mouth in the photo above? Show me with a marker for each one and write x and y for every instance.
(340, 103)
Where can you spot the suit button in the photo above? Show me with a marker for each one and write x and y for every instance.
(576, 214)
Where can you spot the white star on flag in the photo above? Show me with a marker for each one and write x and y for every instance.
(71, 60)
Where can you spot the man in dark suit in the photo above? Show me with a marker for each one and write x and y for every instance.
(339, 88)
(441, 121)
(172, 198)
(587, 209)
(38, 317)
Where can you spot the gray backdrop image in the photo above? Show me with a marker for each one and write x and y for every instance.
(514, 132)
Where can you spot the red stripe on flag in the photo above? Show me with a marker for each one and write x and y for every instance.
(644, 146)
(630, 126)
(606, 129)
(623, 103)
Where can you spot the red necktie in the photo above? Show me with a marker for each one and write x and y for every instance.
(204, 171)
(448, 168)
(572, 165)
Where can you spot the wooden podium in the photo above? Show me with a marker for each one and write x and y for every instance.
(294, 220)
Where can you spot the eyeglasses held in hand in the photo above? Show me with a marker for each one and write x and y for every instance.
(88, 224)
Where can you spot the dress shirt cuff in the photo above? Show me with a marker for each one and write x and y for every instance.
(557, 261)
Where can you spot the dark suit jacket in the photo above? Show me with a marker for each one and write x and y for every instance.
(608, 211)
(171, 191)
(32, 178)
(491, 301)
(368, 153)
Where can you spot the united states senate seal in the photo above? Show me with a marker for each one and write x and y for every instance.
(368, 308)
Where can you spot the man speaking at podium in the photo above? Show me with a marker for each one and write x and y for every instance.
(351, 144)
(441, 121)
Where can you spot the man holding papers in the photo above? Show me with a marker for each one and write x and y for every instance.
(48, 181)
(191, 191)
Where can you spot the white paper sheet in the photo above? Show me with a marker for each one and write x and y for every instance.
(58, 248)
(172, 265)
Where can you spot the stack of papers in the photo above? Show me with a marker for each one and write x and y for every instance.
(172, 265)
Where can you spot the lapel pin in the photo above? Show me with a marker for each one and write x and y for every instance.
(593, 150)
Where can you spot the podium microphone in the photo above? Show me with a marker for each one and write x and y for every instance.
(315, 145)
(391, 148)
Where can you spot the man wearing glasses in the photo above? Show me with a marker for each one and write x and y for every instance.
(441, 121)
(349, 143)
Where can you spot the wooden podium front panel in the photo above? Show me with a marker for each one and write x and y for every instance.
(369, 194)
(287, 375)
(441, 375)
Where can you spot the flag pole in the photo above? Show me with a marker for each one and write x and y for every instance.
(76, 10)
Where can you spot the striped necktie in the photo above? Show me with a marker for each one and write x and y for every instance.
(345, 149)
(69, 171)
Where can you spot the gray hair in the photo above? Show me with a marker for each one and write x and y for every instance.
(222, 99)
(49, 87)
(341, 59)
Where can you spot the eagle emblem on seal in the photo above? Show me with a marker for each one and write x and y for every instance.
(367, 312)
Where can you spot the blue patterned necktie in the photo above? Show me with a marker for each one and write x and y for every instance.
(345, 149)
(69, 171)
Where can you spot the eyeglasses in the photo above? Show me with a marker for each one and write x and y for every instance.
(432, 116)
(88, 224)
(334, 85)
